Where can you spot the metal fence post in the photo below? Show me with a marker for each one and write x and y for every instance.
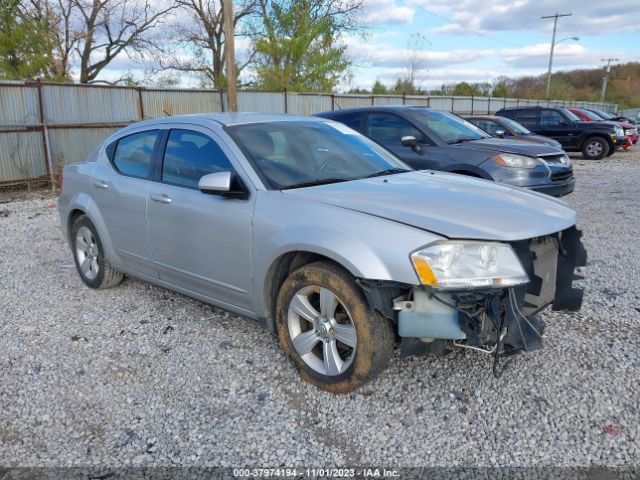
(286, 107)
(140, 103)
(472, 101)
(45, 140)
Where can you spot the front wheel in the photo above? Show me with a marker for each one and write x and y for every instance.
(328, 330)
(595, 148)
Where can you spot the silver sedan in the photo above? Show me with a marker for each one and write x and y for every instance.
(325, 237)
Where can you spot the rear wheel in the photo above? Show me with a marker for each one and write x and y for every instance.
(328, 330)
(595, 148)
(88, 254)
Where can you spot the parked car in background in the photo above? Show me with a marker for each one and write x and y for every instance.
(594, 139)
(610, 116)
(437, 140)
(630, 130)
(503, 127)
(324, 236)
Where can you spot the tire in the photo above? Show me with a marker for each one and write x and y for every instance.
(595, 148)
(86, 247)
(368, 335)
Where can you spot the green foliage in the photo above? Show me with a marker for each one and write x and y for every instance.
(298, 47)
(379, 88)
(25, 45)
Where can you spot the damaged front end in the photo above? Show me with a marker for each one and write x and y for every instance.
(500, 322)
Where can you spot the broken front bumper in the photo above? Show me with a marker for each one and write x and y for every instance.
(500, 321)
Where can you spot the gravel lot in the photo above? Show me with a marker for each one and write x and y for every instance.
(138, 375)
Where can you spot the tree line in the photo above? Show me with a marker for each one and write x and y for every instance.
(583, 84)
(290, 44)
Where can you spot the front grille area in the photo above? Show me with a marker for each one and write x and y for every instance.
(552, 158)
(630, 131)
(562, 176)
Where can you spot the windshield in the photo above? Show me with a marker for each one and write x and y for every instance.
(591, 115)
(515, 126)
(449, 127)
(571, 115)
(604, 115)
(297, 154)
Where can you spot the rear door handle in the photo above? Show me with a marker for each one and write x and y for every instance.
(100, 183)
(161, 198)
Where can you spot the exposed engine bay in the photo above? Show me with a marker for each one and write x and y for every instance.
(500, 322)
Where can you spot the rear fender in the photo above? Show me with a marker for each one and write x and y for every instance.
(83, 202)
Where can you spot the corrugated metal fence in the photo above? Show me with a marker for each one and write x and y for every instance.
(45, 126)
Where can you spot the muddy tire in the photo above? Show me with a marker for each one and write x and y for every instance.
(327, 329)
(595, 148)
(93, 268)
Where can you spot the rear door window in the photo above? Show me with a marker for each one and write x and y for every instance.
(189, 155)
(351, 120)
(133, 154)
(528, 118)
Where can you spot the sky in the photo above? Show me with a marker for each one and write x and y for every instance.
(480, 40)
(477, 40)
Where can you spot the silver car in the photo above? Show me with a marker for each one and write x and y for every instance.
(325, 237)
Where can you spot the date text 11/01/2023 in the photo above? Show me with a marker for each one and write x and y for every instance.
(316, 472)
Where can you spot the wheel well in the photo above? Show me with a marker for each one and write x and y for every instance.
(281, 268)
(467, 173)
(73, 216)
(591, 135)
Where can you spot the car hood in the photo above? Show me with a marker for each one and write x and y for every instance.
(511, 146)
(450, 205)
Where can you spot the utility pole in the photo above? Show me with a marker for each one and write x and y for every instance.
(229, 51)
(605, 79)
(553, 44)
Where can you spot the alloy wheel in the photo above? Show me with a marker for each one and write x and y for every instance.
(321, 330)
(87, 253)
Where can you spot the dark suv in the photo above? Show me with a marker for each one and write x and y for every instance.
(436, 140)
(594, 139)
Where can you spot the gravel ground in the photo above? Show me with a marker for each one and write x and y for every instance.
(138, 375)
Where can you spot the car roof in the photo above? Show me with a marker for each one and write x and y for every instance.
(224, 119)
(373, 108)
(487, 117)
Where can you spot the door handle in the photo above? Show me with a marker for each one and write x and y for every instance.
(161, 198)
(100, 183)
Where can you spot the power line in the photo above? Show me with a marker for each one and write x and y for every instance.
(452, 22)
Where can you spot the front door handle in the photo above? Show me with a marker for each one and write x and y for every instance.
(100, 183)
(161, 198)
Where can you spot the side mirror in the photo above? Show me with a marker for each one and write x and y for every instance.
(500, 133)
(411, 141)
(219, 182)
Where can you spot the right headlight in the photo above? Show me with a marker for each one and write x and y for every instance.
(460, 265)
(515, 161)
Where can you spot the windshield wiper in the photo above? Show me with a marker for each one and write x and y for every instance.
(388, 171)
(313, 183)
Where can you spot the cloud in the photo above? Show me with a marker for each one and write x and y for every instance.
(385, 11)
(365, 54)
(589, 18)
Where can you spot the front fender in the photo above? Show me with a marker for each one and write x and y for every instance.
(367, 246)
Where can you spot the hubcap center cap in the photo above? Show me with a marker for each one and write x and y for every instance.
(323, 327)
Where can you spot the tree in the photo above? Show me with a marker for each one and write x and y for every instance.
(416, 60)
(25, 47)
(297, 43)
(113, 27)
(379, 88)
(201, 34)
(500, 87)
